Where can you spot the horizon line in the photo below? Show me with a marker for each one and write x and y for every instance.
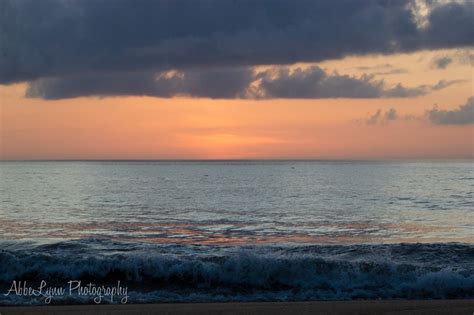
(471, 158)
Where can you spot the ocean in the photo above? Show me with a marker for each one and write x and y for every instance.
(182, 231)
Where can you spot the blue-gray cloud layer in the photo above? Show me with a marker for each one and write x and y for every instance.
(212, 83)
(314, 82)
(234, 82)
(59, 38)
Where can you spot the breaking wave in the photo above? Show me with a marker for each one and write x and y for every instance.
(182, 273)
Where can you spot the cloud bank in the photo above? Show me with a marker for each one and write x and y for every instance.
(59, 42)
(236, 82)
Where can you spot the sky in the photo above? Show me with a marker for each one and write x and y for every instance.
(236, 79)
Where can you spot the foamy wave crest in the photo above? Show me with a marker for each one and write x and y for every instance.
(157, 273)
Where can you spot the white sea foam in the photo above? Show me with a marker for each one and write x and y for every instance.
(181, 273)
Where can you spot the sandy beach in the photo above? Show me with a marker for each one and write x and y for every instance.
(451, 307)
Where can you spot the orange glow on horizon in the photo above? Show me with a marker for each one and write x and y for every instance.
(192, 128)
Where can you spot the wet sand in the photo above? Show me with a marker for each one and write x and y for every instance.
(451, 307)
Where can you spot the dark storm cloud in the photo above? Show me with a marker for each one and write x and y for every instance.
(213, 83)
(66, 39)
(314, 82)
(463, 115)
(234, 82)
(450, 25)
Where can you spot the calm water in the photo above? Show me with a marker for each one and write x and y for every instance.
(238, 202)
(200, 231)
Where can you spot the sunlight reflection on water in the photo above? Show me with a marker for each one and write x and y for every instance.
(238, 202)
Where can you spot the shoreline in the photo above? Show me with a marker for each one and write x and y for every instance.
(451, 307)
